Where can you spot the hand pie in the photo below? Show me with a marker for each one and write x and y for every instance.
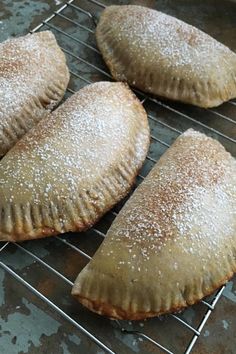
(173, 242)
(70, 169)
(33, 78)
(162, 55)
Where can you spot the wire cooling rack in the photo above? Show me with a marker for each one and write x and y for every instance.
(74, 24)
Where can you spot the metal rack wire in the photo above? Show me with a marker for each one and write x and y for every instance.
(167, 120)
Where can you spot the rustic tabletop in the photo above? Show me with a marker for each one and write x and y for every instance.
(28, 324)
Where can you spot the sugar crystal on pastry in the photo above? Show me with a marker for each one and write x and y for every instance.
(176, 236)
(33, 79)
(164, 56)
(74, 165)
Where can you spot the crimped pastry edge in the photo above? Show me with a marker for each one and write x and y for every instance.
(114, 312)
(174, 88)
(17, 220)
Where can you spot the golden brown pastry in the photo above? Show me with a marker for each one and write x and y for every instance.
(162, 55)
(173, 242)
(70, 169)
(33, 78)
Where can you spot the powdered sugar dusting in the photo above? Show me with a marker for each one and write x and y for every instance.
(185, 207)
(29, 65)
(85, 139)
(146, 35)
(208, 214)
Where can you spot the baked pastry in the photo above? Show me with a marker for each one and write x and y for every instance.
(164, 56)
(33, 78)
(70, 169)
(173, 242)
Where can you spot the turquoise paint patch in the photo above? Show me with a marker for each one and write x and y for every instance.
(189, 315)
(65, 348)
(2, 291)
(20, 15)
(75, 339)
(22, 260)
(25, 329)
(19, 262)
(229, 293)
(130, 340)
(225, 324)
(39, 250)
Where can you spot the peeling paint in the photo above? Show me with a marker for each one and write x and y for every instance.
(225, 324)
(19, 262)
(75, 339)
(28, 326)
(2, 291)
(128, 339)
(228, 292)
(189, 315)
(206, 333)
(24, 330)
(20, 15)
(41, 251)
(65, 348)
